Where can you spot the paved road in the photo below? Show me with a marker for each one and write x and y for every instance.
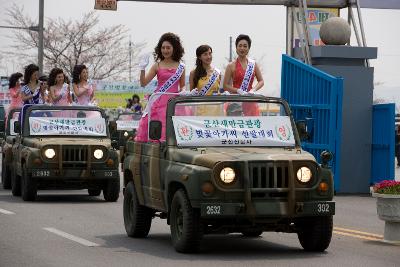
(69, 228)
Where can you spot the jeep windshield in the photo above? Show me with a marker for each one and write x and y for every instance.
(69, 122)
(234, 123)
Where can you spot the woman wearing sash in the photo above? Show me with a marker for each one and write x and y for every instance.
(239, 75)
(59, 89)
(30, 92)
(205, 79)
(83, 91)
(170, 74)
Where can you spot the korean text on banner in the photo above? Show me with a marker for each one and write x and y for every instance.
(227, 131)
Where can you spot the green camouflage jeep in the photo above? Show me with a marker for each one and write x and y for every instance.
(6, 148)
(64, 148)
(229, 164)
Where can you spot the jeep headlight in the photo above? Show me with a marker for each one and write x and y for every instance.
(50, 153)
(126, 134)
(98, 153)
(304, 174)
(227, 175)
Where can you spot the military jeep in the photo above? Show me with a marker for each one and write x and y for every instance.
(64, 147)
(6, 147)
(229, 164)
(124, 128)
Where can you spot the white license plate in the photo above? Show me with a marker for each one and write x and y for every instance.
(213, 210)
(323, 208)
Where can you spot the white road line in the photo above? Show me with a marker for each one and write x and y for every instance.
(71, 237)
(6, 212)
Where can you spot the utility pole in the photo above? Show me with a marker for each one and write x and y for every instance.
(130, 59)
(40, 48)
(230, 48)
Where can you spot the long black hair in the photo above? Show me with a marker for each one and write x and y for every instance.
(200, 71)
(76, 74)
(12, 82)
(53, 75)
(29, 70)
(175, 41)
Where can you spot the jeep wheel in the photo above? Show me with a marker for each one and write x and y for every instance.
(28, 186)
(252, 232)
(111, 190)
(15, 184)
(94, 192)
(5, 176)
(186, 227)
(315, 233)
(137, 218)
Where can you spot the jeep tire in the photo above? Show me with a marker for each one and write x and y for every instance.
(15, 184)
(315, 233)
(186, 227)
(28, 186)
(137, 218)
(111, 190)
(5, 175)
(94, 192)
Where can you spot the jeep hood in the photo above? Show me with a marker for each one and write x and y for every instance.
(208, 157)
(41, 142)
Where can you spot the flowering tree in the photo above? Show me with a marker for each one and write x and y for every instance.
(104, 51)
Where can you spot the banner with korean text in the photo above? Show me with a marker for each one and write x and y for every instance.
(127, 125)
(233, 131)
(67, 126)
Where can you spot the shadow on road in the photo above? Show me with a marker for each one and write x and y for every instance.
(214, 247)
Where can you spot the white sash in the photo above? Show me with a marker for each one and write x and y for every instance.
(166, 86)
(251, 64)
(210, 83)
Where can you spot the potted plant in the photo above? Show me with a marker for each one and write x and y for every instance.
(387, 195)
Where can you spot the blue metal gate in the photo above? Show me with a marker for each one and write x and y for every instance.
(316, 97)
(383, 130)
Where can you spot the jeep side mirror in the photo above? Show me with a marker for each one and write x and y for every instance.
(17, 127)
(302, 130)
(155, 130)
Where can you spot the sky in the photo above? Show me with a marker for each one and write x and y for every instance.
(213, 25)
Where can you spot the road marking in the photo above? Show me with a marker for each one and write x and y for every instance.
(6, 212)
(72, 237)
(357, 232)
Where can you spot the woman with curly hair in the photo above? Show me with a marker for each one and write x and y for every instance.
(30, 92)
(170, 74)
(14, 86)
(59, 89)
(83, 91)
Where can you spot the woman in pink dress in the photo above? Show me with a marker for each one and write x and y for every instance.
(167, 67)
(59, 89)
(15, 90)
(83, 91)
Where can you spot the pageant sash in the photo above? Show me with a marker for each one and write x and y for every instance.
(251, 65)
(214, 77)
(166, 86)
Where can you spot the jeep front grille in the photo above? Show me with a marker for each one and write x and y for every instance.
(74, 153)
(269, 174)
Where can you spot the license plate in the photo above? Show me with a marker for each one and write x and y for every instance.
(41, 173)
(213, 210)
(323, 208)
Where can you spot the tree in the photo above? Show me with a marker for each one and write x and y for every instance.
(68, 43)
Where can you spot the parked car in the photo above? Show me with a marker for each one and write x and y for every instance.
(236, 166)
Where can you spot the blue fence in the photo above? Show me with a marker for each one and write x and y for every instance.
(315, 97)
(383, 130)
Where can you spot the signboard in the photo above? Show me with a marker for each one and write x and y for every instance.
(233, 131)
(127, 125)
(67, 126)
(105, 4)
(315, 17)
